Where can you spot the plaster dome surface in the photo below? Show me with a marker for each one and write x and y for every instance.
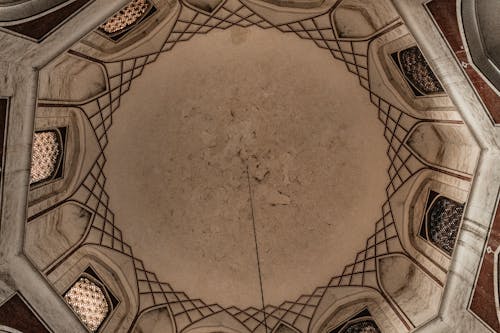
(238, 128)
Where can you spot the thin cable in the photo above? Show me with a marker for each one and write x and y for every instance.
(256, 249)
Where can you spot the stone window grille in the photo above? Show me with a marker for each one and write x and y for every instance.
(442, 220)
(360, 323)
(363, 326)
(124, 20)
(417, 72)
(89, 300)
(46, 158)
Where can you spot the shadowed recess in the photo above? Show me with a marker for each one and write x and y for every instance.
(40, 28)
(16, 314)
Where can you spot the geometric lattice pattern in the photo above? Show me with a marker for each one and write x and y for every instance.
(89, 303)
(418, 72)
(296, 314)
(127, 16)
(365, 326)
(443, 221)
(360, 323)
(47, 149)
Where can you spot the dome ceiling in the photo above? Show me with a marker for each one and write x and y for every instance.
(240, 166)
(266, 129)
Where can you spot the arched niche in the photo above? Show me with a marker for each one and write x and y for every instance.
(359, 19)
(339, 304)
(360, 322)
(51, 235)
(70, 122)
(416, 294)
(157, 320)
(71, 79)
(207, 6)
(142, 37)
(416, 205)
(284, 328)
(450, 147)
(80, 151)
(384, 57)
(115, 271)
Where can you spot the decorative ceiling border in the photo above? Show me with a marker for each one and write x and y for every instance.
(185, 311)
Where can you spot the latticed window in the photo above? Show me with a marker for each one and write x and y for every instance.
(126, 18)
(46, 155)
(364, 326)
(89, 302)
(360, 323)
(443, 221)
(417, 72)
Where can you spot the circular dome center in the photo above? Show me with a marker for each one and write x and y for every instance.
(244, 141)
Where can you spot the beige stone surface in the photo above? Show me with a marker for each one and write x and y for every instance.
(52, 234)
(239, 100)
(77, 80)
(240, 138)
